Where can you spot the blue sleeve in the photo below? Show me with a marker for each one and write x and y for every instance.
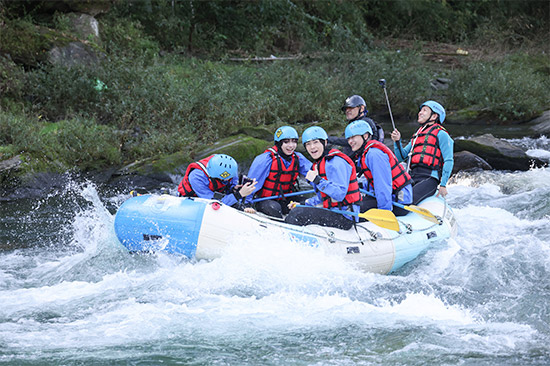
(260, 170)
(446, 144)
(200, 184)
(305, 164)
(401, 152)
(379, 164)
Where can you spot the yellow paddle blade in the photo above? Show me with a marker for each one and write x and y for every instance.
(422, 211)
(383, 218)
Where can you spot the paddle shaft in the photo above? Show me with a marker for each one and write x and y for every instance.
(281, 196)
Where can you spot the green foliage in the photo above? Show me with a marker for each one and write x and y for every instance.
(128, 39)
(406, 74)
(508, 89)
(79, 142)
(158, 103)
(62, 145)
(260, 27)
(24, 42)
(12, 79)
(455, 21)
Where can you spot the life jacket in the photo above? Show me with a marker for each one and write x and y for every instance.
(425, 150)
(352, 194)
(281, 179)
(215, 185)
(400, 178)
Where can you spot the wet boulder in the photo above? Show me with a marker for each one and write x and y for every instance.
(467, 161)
(541, 125)
(498, 153)
(170, 168)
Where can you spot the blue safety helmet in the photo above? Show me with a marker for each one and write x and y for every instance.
(222, 166)
(354, 101)
(359, 127)
(285, 132)
(436, 108)
(314, 133)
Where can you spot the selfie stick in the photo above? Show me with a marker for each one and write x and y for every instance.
(382, 83)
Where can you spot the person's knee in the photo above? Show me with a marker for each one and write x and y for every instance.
(398, 211)
(346, 225)
(270, 208)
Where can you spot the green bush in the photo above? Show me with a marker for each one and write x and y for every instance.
(78, 142)
(509, 89)
(64, 144)
(127, 38)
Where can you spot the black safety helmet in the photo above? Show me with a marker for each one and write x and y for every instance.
(354, 101)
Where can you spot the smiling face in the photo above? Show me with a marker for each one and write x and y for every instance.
(315, 148)
(353, 112)
(289, 145)
(425, 115)
(355, 142)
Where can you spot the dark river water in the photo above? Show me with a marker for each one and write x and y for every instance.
(70, 294)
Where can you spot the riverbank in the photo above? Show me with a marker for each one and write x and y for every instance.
(130, 103)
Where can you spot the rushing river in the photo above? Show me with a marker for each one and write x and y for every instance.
(71, 294)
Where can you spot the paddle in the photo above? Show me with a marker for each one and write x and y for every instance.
(412, 208)
(281, 196)
(383, 218)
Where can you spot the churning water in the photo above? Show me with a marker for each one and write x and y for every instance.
(71, 294)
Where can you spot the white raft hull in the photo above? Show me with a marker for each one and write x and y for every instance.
(199, 228)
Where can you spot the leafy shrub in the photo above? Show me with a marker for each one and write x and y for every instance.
(510, 89)
(65, 144)
(127, 38)
(11, 85)
(78, 142)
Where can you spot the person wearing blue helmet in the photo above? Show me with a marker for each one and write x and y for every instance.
(334, 178)
(429, 154)
(215, 177)
(276, 171)
(386, 179)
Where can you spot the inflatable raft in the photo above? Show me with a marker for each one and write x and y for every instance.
(200, 228)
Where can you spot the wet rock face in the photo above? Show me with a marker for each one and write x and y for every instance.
(467, 161)
(75, 53)
(76, 43)
(84, 26)
(498, 153)
(541, 125)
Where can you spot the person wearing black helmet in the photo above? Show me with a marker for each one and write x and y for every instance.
(429, 154)
(355, 108)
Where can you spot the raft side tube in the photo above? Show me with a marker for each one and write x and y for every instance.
(150, 223)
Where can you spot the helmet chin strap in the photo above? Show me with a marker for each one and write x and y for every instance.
(279, 145)
(429, 120)
(360, 115)
(325, 150)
